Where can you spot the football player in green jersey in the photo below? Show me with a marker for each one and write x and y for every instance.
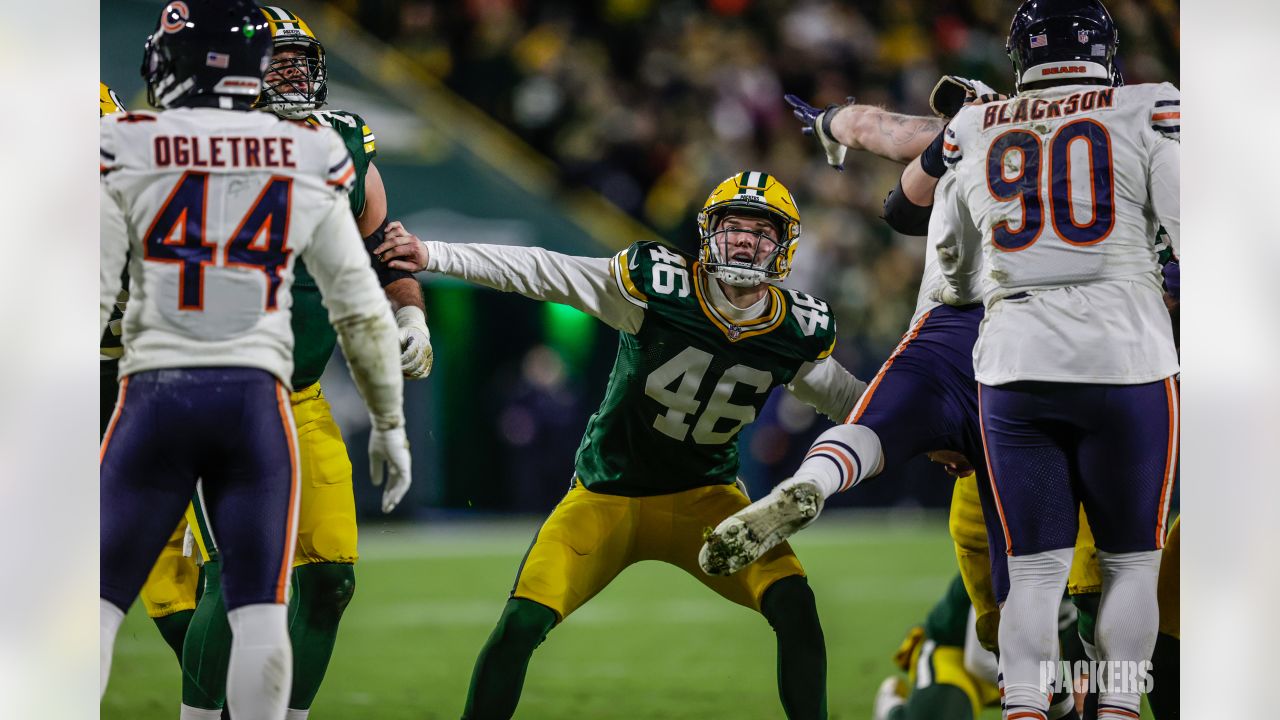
(702, 343)
(324, 576)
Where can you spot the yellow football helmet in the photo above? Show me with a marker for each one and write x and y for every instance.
(753, 194)
(293, 87)
(108, 101)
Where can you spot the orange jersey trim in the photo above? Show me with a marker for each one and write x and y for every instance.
(291, 530)
(861, 406)
(115, 416)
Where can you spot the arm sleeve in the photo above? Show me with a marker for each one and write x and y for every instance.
(959, 242)
(1164, 181)
(905, 216)
(582, 283)
(114, 248)
(359, 312)
(1165, 186)
(828, 387)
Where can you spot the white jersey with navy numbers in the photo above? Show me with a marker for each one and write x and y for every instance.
(1067, 188)
(212, 208)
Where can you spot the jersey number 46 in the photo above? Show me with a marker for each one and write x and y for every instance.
(688, 369)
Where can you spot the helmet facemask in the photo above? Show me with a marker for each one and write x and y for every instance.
(728, 258)
(295, 85)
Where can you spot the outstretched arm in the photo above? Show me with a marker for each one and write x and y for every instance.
(890, 135)
(579, 282)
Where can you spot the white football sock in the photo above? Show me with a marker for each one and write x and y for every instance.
(1029, 627)
(1128, 619)
(260, 672)
(296, 714)
(109, 619)
(840, 458)
(194, 713)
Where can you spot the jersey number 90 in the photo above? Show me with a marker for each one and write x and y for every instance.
(1025, 185)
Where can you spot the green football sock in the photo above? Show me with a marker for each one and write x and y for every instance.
(1165, 669)
(1087, 615)
(173, 628)
(321, 592)
(499, 673)
(933, 702)
(208, 646)
(789, 607)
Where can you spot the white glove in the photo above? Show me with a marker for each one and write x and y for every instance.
(947, 295)
(415, 343)
(390, 447)
(834, 150)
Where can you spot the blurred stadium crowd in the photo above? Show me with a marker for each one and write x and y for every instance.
(651, 103)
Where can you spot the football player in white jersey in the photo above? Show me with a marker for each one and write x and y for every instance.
(1066, 184)
(211, 205)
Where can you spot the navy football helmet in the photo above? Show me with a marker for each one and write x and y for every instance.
(1063, 41)
(207, 52)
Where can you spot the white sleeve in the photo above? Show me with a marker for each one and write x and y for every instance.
(1165, 186)
(959, 242)
(1164, 140)
(359, 312)
(582, 283)
(828, 387)
(114, 249)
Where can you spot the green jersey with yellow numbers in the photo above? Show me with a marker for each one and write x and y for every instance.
(313, 336)
(689, 379)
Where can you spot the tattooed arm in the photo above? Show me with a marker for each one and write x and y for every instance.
(892, 136)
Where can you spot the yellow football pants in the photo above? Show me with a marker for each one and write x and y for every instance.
(171, 586)
(591, 537)
(928, 663)
(326, 510)
(1169, 580)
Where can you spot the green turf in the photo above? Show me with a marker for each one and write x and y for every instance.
(654, 644)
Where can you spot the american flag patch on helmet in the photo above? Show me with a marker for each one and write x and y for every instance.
(1040, 40)
(218, 60)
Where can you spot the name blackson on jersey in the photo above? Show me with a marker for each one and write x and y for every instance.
(1052, 219)
(222, 204)
(691, 369)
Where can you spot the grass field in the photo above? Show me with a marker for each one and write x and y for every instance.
(654, 644)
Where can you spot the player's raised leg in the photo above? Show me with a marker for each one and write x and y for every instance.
(920, 400)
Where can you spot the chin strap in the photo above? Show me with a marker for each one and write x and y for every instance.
(737, 277)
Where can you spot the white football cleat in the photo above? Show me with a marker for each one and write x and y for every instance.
(888, 697)
(743, 537)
